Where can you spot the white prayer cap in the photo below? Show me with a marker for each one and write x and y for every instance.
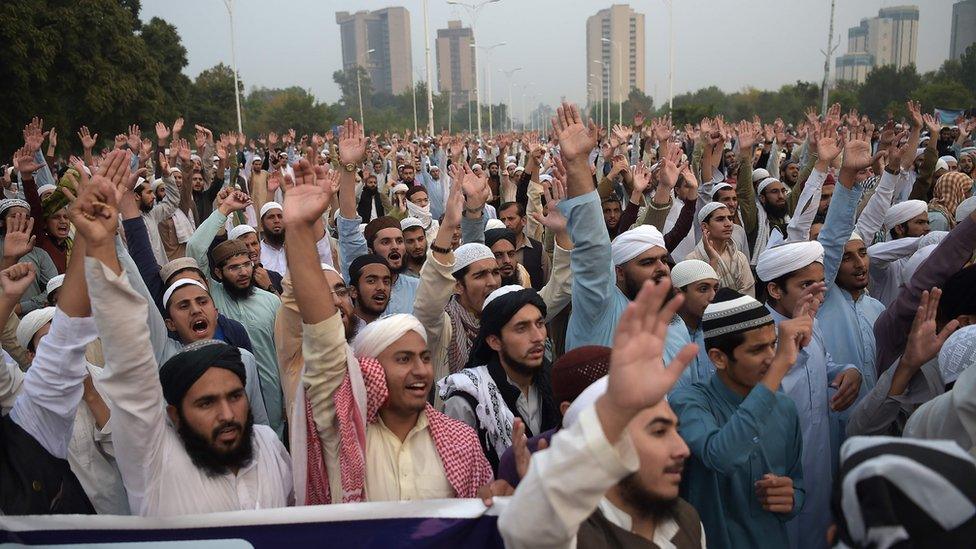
(195, 157)
(921, 150)
(270, 206)
(380, 334)
(587, 398)
(157, 183)
(494, 224)
(139, 182)
(780, 260)
(904, 211)
(544, 178)
(179, 284)
(855, 236)
(510, 159)
(53, 284)
(707, 210)
(511, 165)
(31, 323)
(46, 188)
(466, 254)
(475, 167)
(435, 167)
(400, 188)
(718, 187)
(916, 260)
(965, 208)
(500, 292)
(759, 174)
(519, 169)
(632, 243)
(690, 271)
(949, 159)
(765, 183)
(240, 230)
(941, 164)
(408, 222)
(175, 169)
(958, 353)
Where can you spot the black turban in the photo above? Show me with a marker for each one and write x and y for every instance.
(496, 315)
(494, 235)
(180, 372)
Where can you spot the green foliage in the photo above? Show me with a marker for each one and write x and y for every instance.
(276, 109)
(886, 87)
(211, 101)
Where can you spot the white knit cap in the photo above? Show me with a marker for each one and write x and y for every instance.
(466, 254)
(707, 210)
(941, 164)
(500, 292)
(46, 188)
(780, 260)
(400, 188)
(949, 159)
(765, 183)
(720, 186)
(904, 211)
(380, 334)
(268, 206)
(957, 353)
(545, 178)
(759, 174)
(632, 243)
(240, 230)
(31, 323)
(965, 208)
(494, 224)
(690, 271)
(587, 398)
(53, 284)
(179, 284)
(408, 222)
(157, 183)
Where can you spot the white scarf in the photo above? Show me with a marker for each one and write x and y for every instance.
(421, 213)
(492, 413)
(184, 226)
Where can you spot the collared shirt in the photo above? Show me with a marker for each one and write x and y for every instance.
(273, 259)
(404, 470)
(663, 531)
(159, 476)
(701, 367)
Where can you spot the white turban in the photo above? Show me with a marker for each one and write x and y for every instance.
(400, 188)
(765, 183)
(46, 188)
(268, 206)
(965, 208)
(157, 183)
(707, 210)
(949, 159)
(409, 222)
(957, 353)
(904, 211)
(380, 334)
(545, 178)
(780, 260)
(466, 254)
(632, 243)
(240, 230)
(718, 187)
(941, 164)
(690, 271)
(53, 284)
(759, 174)
(179, 284)
(31, 323)
(494, 224)
(587, 398)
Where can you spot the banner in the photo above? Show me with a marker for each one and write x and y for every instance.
(947, 117)
(432, 523)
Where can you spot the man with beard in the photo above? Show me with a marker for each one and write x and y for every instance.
(791, 173)
(746, 469)
(528, 251)
(154, 213)
(414, 244)
(611, 477)
(273, 238)
(236, 295)
(382, 236)
(406, 449)
(214, 459)
(502, 244)
(264, 278)
(698, 282)
(369, 205)
(370, 280)
(507, 373)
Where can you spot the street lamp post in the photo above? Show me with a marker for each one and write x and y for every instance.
(620, 83)
(487, 50)
(605, 80)
(473, 10)
(525, 118)
(599, 103)
(430, 92)
(229, 4)
(509, 74)
(359, 87)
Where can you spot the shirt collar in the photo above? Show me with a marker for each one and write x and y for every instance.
(723, 391)
(663, 531)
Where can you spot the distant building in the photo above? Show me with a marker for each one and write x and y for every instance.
(456, 64)
(891, 38)
(622, 53)
(963, 28)
(387, 33)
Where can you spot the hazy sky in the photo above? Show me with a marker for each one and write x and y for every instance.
(728, 43)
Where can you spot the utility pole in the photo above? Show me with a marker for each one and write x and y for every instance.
(509, 74)
(473, 10)
(827, 53)
(430, 92)
(229, 4)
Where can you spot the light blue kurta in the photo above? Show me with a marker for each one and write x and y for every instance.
(352, 244)
(701, 368)
(734, 441)
(597, 302)
(257, 313)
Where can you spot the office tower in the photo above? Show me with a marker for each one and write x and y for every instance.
(614, 53)
(379, 41)
(963, 28)
(891, 38)
(456, 64)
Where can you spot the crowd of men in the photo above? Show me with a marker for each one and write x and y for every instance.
(731, 334)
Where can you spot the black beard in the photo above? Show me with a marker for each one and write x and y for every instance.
(519, 367)
(512, 279)
(213, 462)
(353, 329)
(275, 239)
(416, 261)
(643, 502)
(236, 293)
(775, 212)
(143, 208)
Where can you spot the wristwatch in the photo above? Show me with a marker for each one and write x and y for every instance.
(350, 167)
(440, 250)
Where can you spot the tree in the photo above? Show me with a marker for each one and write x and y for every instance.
(349, 88)
(278, 109)
(944, 94)
(164, 44)
(885, 88)
(967, 68)
(211, 99)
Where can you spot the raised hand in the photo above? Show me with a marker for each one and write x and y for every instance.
(642, 178)
(554, 193)
(924, 339)
(576, 140)
(307, 200)
(857, 151)
(177, 126)
(475, 188)
(746, 136)
(18, 240)
(25, 163)
(520, 448)
(87, 139)
(162, 132)
(622, 133)
(828, 142)
(52, 138)
(233, 201)
(134, 139)
(15, 280)
(119, 141)
(933, 125)
(95, 213)
(352, 143)
(915, 113)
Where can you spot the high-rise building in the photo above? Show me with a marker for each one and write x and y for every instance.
(456, 63)
(614, 53)
(891, 38)
(387, 33)
(963, 28)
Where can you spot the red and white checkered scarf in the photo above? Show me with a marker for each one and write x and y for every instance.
(456, 443)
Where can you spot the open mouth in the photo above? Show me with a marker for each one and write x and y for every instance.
(228, 434)
(418, 389)
(199, 327)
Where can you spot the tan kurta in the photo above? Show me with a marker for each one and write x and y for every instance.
(732, 268)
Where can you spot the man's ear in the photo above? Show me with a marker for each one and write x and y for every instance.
(217, 275)
(170, 325)
(494, 342)
(774, 291)
(718, 358)
(619, 272)
(173, 414)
